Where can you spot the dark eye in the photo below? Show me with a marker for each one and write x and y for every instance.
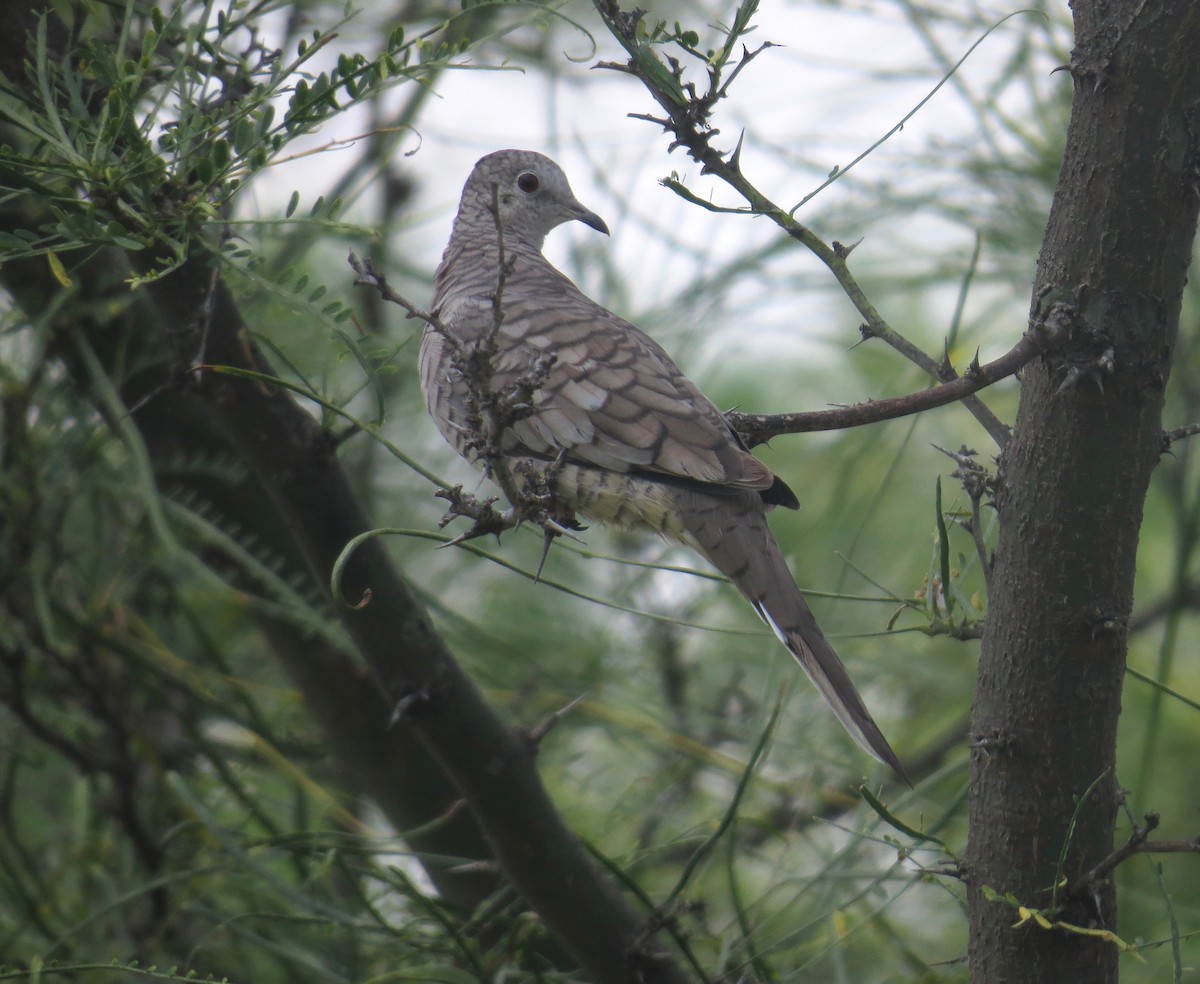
(528, 182)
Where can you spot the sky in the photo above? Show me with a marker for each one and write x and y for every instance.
(839, 80)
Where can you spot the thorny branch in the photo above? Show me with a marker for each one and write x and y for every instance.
(504, 269)
(977, 482)
(687, 118)
(365, 275)
(490, 411)
(758, 428)
(1178, 434)
(1138, 843)
(478, 370)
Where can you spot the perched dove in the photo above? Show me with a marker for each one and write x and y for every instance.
(622, 436)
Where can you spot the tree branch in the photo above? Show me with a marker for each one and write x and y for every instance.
(1179, 434)
(1138, 843)
(759, 428)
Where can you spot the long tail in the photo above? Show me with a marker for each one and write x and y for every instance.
(731, 532)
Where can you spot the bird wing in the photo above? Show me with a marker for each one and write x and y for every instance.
(612, 396)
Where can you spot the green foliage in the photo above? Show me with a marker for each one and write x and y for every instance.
(166, 795)
(149, 151)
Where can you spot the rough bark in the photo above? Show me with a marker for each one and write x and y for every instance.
(1073, 480)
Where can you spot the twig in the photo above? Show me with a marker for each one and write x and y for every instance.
(1136, 842)
(490, 413)
(1178, 434)
(975, 528)
(962, 631)
(758, 428)
(504, 269)
(367, 276)
(943, 371)
(976, 482)
(1185, 845)
(487, 519)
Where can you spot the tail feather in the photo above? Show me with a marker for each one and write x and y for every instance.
(732, 533)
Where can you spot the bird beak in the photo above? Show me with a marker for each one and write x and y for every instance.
(588, 218)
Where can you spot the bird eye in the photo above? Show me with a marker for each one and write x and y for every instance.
(528, 182)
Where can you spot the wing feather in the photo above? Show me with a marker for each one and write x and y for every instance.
(612, 398)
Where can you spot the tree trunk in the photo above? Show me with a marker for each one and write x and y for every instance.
(1072, 482)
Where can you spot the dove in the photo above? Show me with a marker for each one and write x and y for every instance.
(599, 409)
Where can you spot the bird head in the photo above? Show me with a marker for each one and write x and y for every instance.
(529, 191)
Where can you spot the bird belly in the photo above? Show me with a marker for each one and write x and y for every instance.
(620, 499)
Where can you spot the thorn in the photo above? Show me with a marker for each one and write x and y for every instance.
(657, 121)
(548, 537)
(974, 367)
(1072, 377)
(475, 867)
(735, 159)
(405, 704)
(963, 456)
(552, 529)
(540, 730)
(560, 530)
(470, 534)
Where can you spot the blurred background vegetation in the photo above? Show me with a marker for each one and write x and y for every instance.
(165, 795)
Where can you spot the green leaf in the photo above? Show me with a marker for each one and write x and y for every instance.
(59, 271)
